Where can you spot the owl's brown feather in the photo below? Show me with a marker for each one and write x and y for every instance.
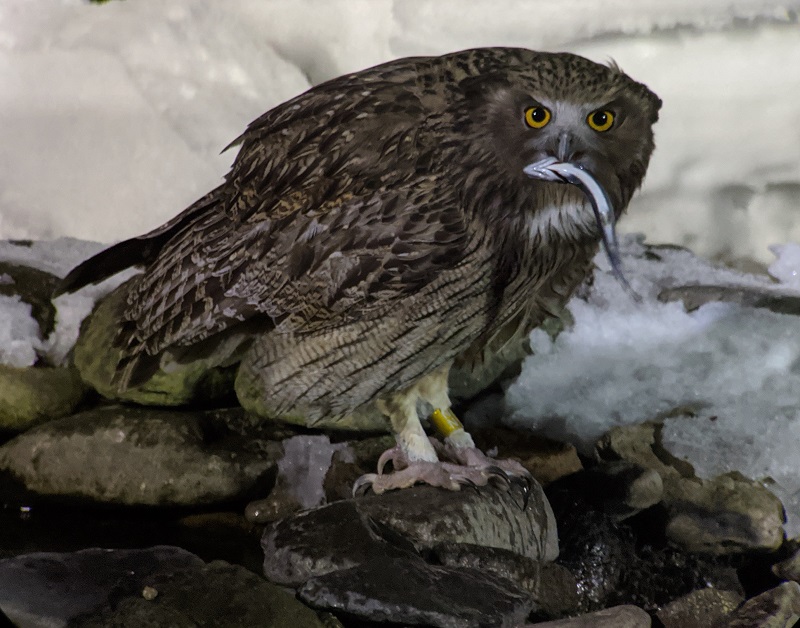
(379, 226)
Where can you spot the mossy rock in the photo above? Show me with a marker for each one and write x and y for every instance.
(33, 395)
(98, 359)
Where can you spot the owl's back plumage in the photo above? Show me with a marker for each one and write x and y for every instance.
(380, 226)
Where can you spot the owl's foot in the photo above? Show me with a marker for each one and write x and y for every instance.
(442, 474)
(458, 467)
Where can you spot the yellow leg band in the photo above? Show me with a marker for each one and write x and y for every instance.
(446, 421)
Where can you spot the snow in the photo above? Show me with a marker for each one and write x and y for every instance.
(304, 465)
(113, 116)
(733, 372)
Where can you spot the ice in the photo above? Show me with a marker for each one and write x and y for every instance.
(19, 333)
(733, 372)
(305, 462)
(786, 268)
(113, 116)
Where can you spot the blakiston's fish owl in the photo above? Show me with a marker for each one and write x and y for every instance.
(385, 224)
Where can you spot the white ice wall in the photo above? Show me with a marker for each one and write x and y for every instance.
(112, 116)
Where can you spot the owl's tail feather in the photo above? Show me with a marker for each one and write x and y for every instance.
(138, 251)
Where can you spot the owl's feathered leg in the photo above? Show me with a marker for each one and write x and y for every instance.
(415, 457)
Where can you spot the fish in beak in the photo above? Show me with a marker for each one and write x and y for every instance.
(553, 169)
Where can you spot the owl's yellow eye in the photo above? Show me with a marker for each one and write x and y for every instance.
(600, 120)
(537, 117)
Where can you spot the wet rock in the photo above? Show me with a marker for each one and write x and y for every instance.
(788, 569)
(547, 460)
(625, 616)
(159, 586)
(34, 287)
(347, 533)
(323, 540)
(446, 597)
(552, 588)
(140, 456)
(97, 360)
(618, 562)
(728, 514)
(699, 609)
(32, 395)
(776, 608)
(280, 503)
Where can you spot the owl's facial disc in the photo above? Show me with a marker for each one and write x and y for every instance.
(552, 169)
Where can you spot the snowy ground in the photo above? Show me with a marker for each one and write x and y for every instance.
(113, 116)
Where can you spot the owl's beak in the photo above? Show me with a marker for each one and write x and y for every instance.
(553, 169)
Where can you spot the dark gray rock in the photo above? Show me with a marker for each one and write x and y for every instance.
(625, 616)
(788, 569)
(160, 586)
(699, 609)
(324, 540)
(552, 587)
(34, 287)
(776, 608)
(347, 533)
(140, 456)
(408, 590)
(50, 589)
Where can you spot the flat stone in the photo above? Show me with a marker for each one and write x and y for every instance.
(160, 586)
(776, 608)
(445, 597)
(624, 616)
(347, 533)
(699, 609)
(33, 395)
(139, 456)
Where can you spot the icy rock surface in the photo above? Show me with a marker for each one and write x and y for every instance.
(734, 369)
(306, 460)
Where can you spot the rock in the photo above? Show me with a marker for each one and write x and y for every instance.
(699, 609)
(547, 460)
(324, 540)
(625, 616)
(280, 503)
(776, 608)
(347, 533)
(97, 359)
(446, 597)
(621, 488)
(788, 569)
(552, 588)
(728, 514)
(158, 586)
(35, 287)
(32, 395)
(625, 562)
(695, 296)
(140, 456)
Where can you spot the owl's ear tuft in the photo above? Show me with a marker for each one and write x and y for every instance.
(612, 65)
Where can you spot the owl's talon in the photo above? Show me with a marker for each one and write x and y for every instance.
(364, 484)
(394, 455)
(468, 483)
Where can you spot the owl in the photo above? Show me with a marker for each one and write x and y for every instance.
(383, 226)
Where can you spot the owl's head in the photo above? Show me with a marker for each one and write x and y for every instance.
(535, 105)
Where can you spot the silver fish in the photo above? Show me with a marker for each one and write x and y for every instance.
(552, 169)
